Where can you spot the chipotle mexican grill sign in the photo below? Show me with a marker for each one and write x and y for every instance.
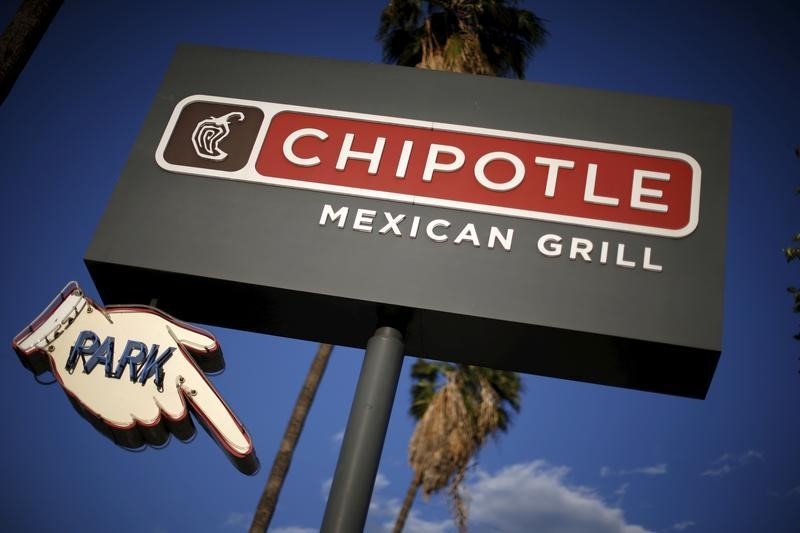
(573, 181)
(544, 229)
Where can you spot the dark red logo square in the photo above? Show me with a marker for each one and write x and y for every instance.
(214, 136)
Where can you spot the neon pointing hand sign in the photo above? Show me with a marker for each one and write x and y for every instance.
(134, 373)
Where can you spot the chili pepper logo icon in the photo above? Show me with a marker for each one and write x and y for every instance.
(210, 132)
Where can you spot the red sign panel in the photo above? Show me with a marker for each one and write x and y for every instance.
(516, 174)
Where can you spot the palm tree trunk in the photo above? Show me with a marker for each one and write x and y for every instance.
(280, 466)
(21, 37)
(457, 504)
(416, 481)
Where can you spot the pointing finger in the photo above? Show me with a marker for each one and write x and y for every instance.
(214, 414)
(201, 345)
(134, 373)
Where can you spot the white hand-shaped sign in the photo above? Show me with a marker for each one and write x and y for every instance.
(134, 373)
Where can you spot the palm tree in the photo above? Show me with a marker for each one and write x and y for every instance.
(280, 466)
(492, 37)
(792, 253)
(477, 36)
(457, 408)
(21, 37)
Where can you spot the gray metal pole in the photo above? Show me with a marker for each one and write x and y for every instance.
(351, 491)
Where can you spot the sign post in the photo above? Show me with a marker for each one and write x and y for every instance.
(353, 480)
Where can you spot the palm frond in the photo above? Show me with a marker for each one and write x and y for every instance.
(399, 30)
(427, 376)
(509, 36)
(443, 440)
(492, 37)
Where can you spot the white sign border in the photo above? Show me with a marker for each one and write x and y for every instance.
(248, 172)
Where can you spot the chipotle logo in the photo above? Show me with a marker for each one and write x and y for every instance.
(517, 174)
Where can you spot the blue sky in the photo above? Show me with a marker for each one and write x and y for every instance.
(578, 457)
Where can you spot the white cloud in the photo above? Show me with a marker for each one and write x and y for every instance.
(655, 470)
(620, 493)
(294, 529)
(741, 458)
(338, 437)
(531, 496)
(380, 508)
(682, 526)
(728, 462)
(652, 470)
(381, 482)
(326, 488)
(414, 523)
(716, 472)
(723, 458)
(535, 497)
(238, 520)
(752, 454)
